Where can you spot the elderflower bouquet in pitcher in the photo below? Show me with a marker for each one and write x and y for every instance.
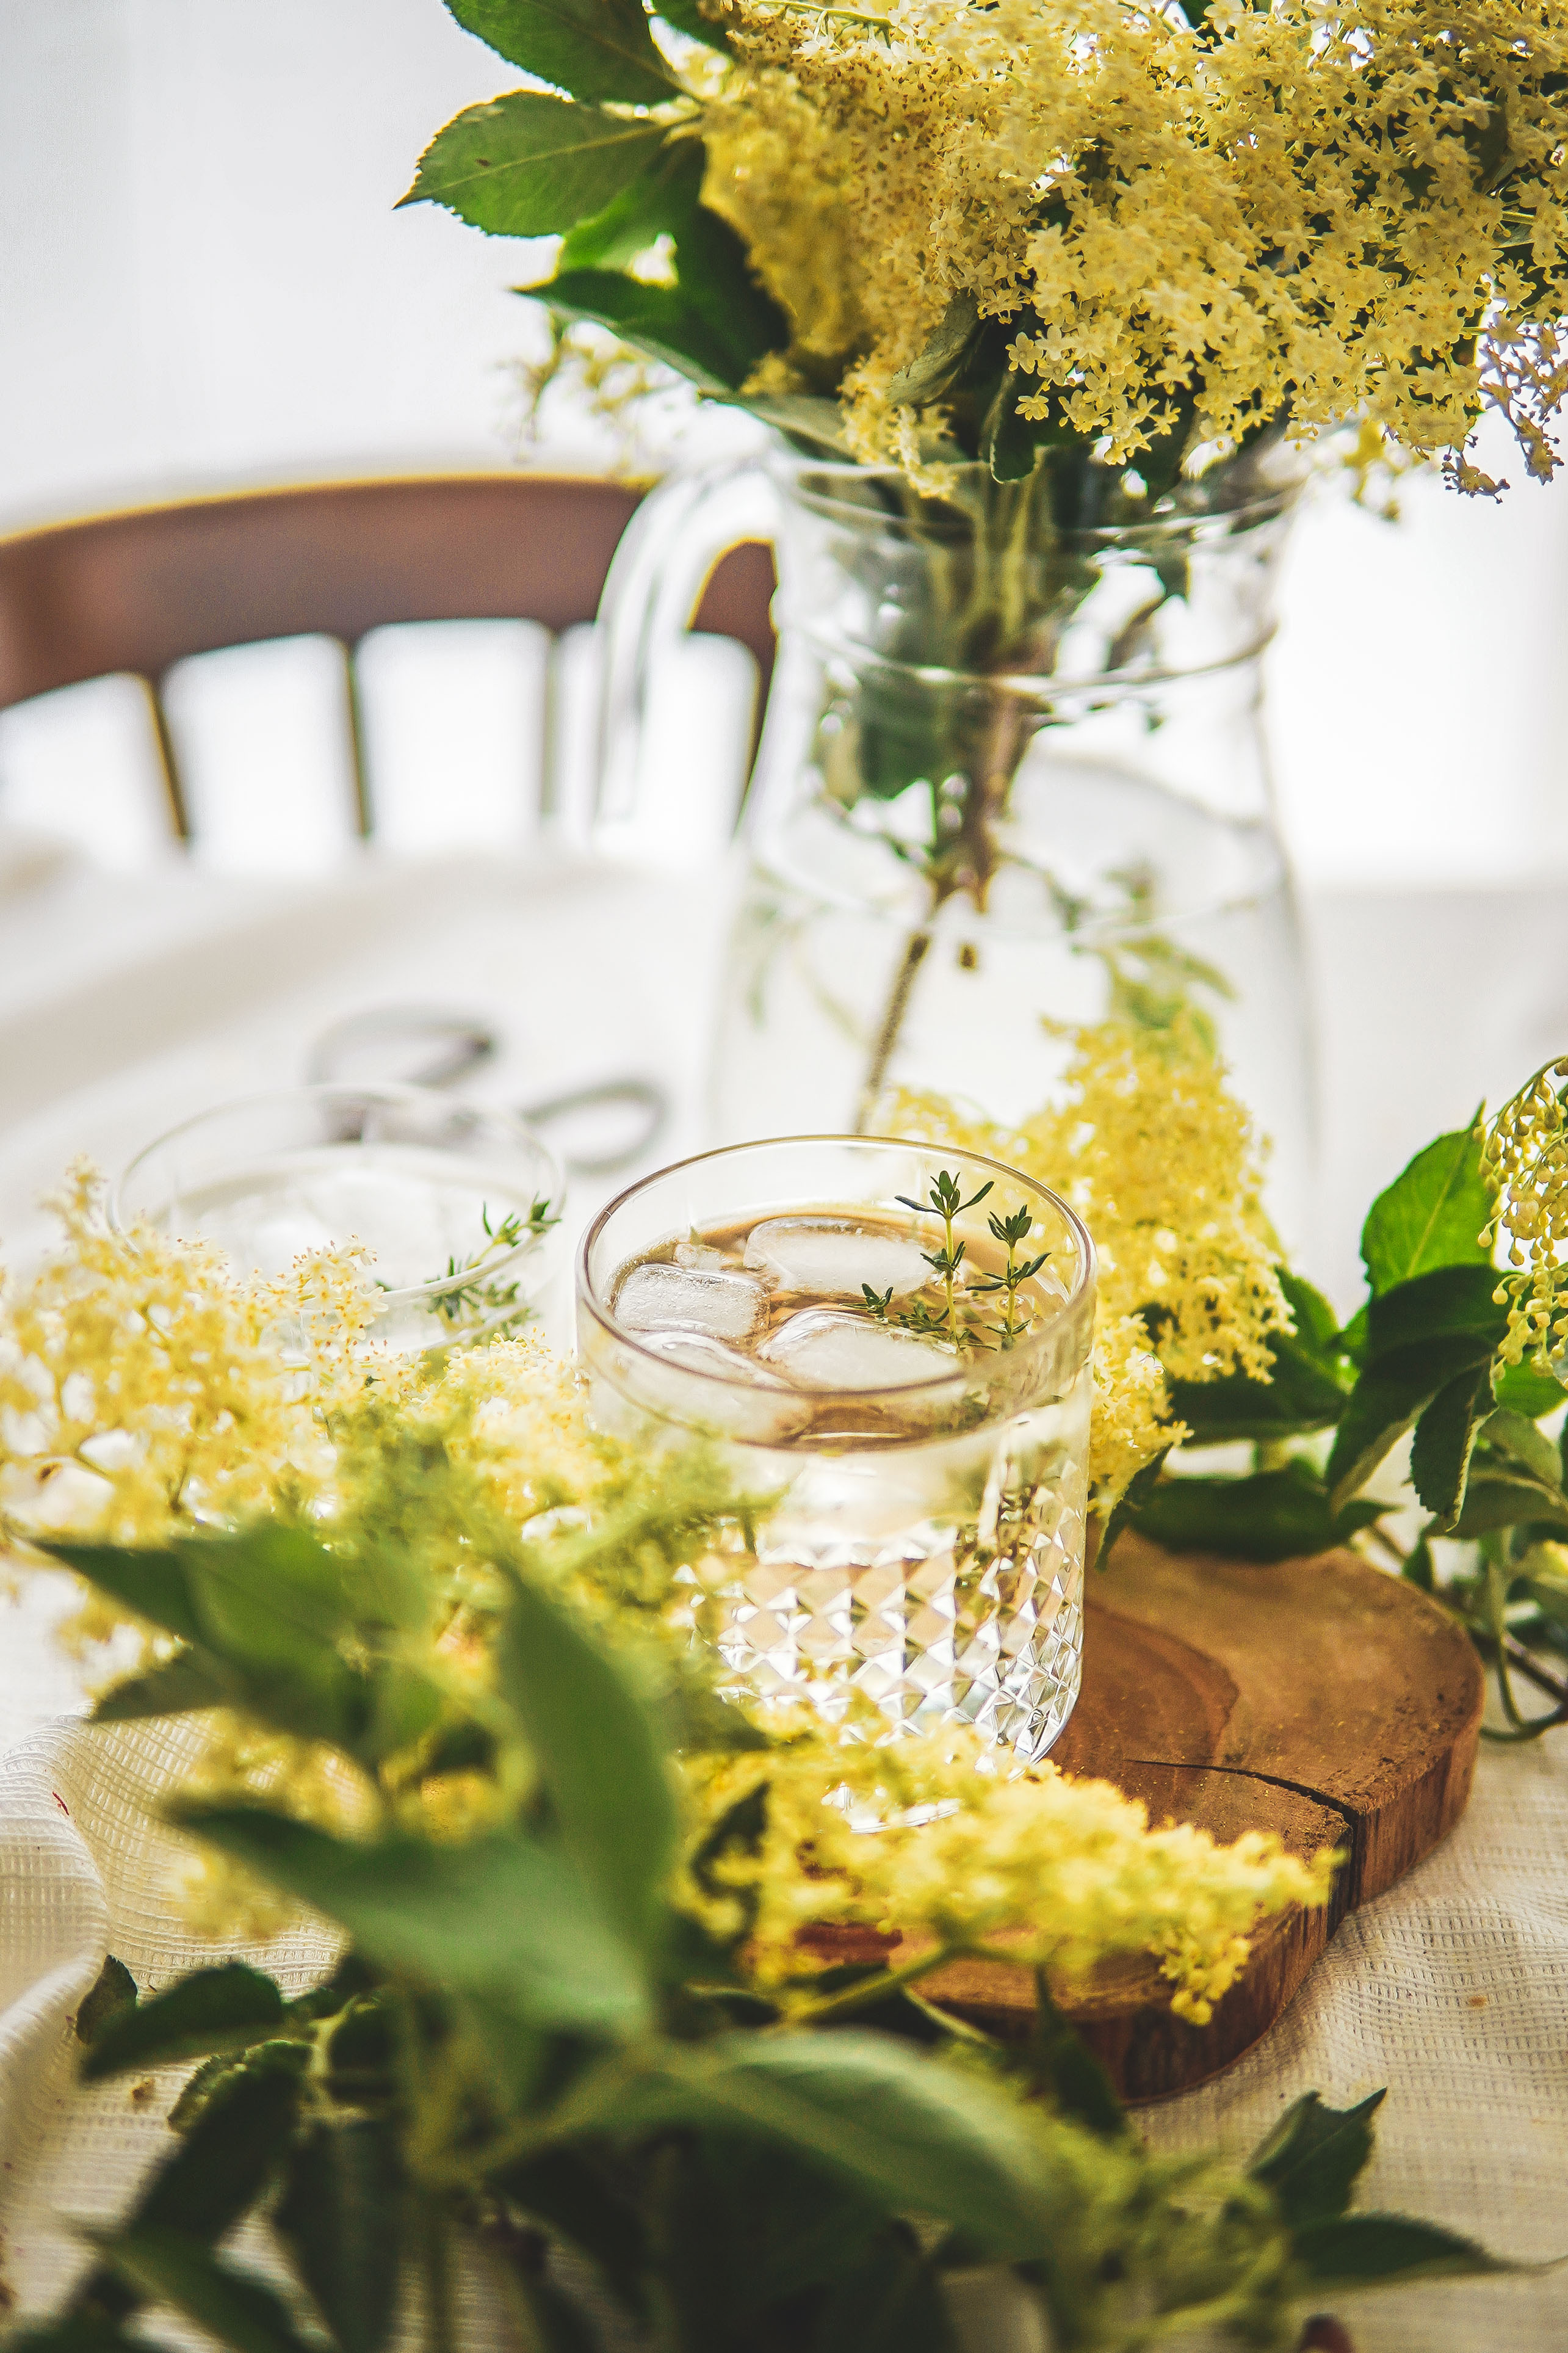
(1044, 300)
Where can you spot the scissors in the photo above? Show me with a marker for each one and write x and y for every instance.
(422, 1046)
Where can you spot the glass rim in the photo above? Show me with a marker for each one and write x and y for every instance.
(1050, 689)
(1265, 502)
(375, 1090)
(961, 1377)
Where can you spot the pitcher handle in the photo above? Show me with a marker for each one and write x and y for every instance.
(658, 584)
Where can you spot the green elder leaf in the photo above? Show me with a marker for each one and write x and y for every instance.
(688, 17)
(529, 166)
(1444, 1442)
(1419, 1338)
(220, 2169)
(562, 2188)
(1370, 2249)
(1059, 2063)
(556, 2323)
(1129, 1504)
(264, 1611)
(1526, 1390)
(892, 2125)
(1390, 1395)
(1513, 1439)
(800, 418)
(659, 320)
(113, 1994)
(745, 2225)
(225, 2160)
(890, 2303)
(717, 279)
(1497, 1498)
(1273, 1515)
(1310, 1380)
(1314, 2155)
(715, 323)
(600, 1756)
(221, 2008)
(594, 49)
(74, 2331)
(929, 375)
(504, 1913)
(1448, 1302)
(190, 1681)
(149, 1580)
(342, 2185)
(1432, 1214)
(658, 202)
(167, 2266)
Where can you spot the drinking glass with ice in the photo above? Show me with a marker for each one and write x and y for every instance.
(891, 1344)
(457, 1207)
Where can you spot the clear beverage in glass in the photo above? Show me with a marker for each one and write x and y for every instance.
(920, 1452)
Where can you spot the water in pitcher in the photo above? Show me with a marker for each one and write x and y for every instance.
(1145, 904)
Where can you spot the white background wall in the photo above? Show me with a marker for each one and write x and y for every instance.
(203, 280)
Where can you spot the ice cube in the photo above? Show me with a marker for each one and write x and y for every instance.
(833, 1259)
(822, 1348)
(698, 1254)
(659, 1297)
(694, 1352)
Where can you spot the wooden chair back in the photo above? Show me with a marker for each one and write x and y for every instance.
(139, 591)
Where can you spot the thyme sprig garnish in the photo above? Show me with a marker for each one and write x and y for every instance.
(493, 1298)
(947, 1200)
(1012, 1231)
(957, 1320)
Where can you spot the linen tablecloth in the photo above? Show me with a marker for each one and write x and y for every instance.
(124, 1007)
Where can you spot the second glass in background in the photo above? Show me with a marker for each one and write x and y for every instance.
(459, 1208)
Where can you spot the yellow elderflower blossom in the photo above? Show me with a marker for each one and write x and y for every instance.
(1159, 1158)
(1131, 1421)
(142, 1389)
(176, 1395)
(1284, 211)
(926, 1839)
(1526, 1154)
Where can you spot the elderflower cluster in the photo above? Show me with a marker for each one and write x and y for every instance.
(1285, 211)
(1159, 1158)
(142, 1389)
(1526, 1156)
(926, 1839)
(147, 1390)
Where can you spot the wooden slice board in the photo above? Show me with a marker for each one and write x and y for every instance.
(1317, 1698)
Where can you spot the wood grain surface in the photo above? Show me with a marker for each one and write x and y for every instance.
(1317, 1698)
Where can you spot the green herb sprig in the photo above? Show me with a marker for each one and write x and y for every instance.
(492, 1298)
(954, 1320)
(946, 1198)
(1012, 1231)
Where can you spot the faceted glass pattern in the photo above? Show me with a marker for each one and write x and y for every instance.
(916, 1557)
(926, 1622)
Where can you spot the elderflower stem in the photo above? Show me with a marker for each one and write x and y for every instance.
(870, 1990)
(917, 947)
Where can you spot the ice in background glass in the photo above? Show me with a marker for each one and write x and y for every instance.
(460, 1207)
(923, 1544)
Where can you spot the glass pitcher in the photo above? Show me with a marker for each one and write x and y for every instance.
(1012, 779)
